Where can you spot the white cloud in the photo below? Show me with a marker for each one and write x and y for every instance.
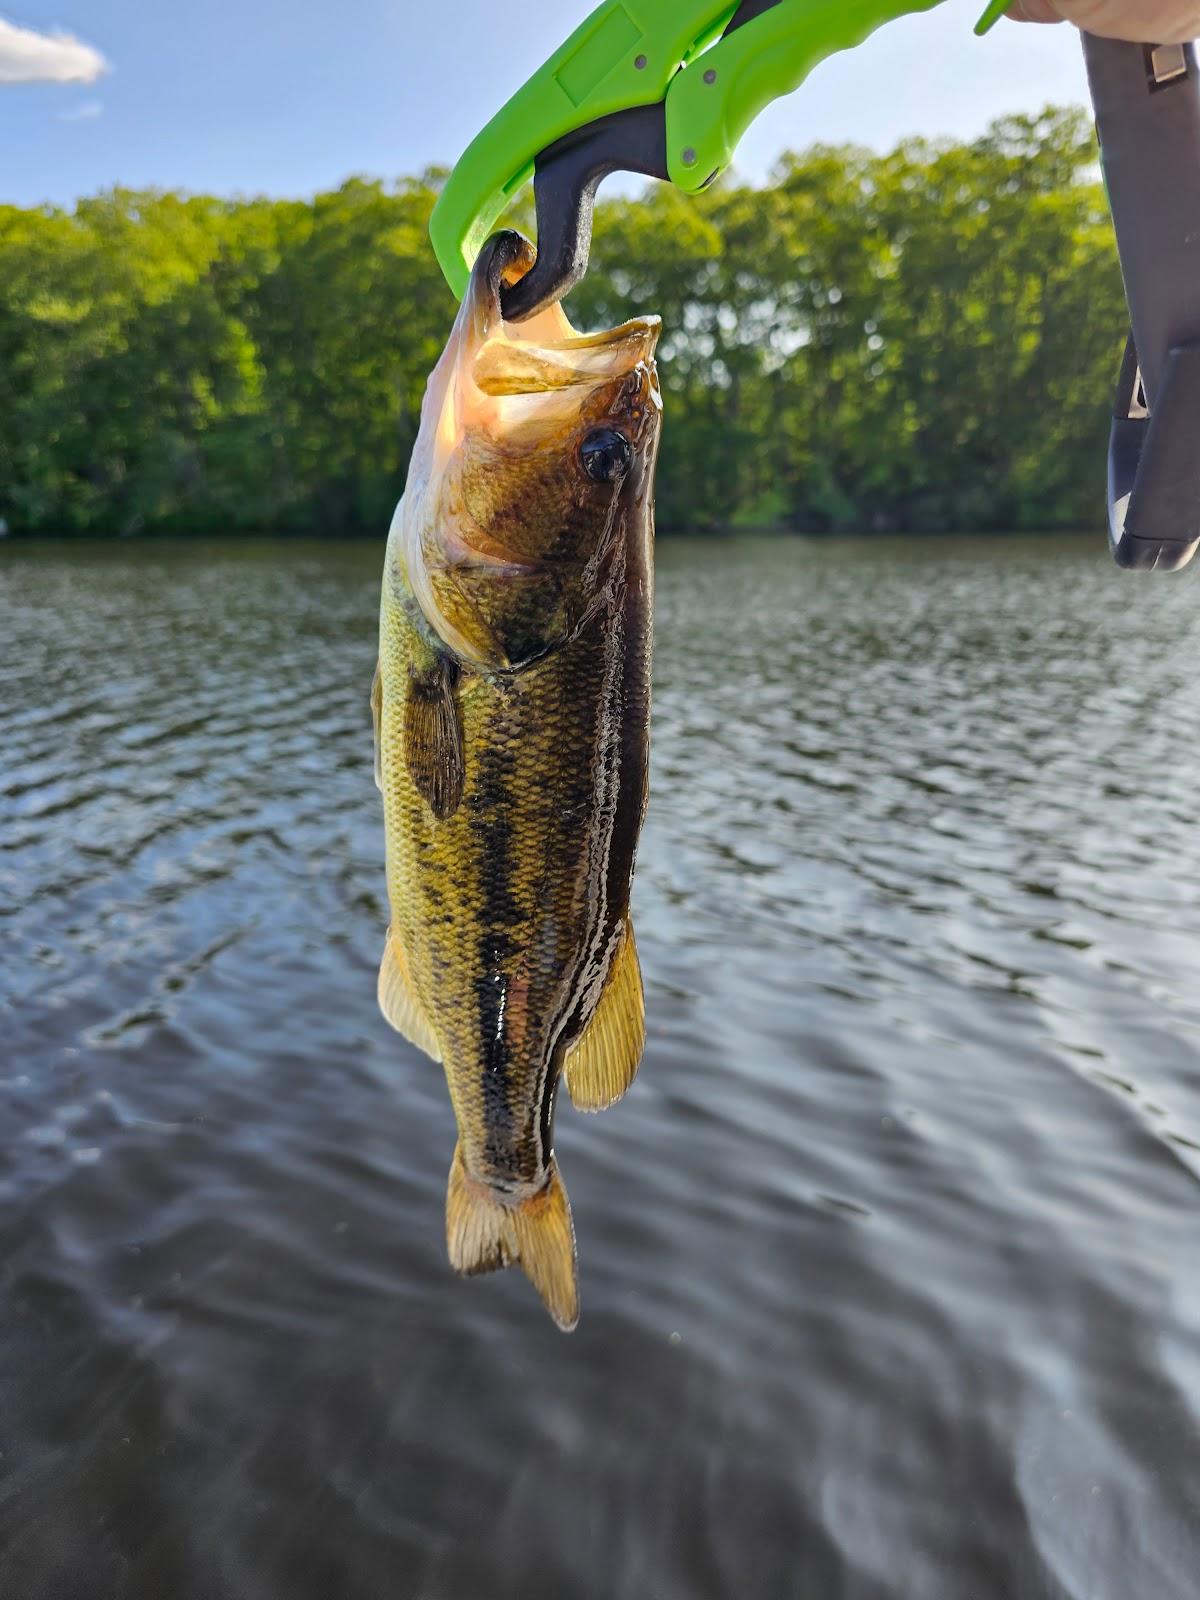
(30, 57)
(82, 113)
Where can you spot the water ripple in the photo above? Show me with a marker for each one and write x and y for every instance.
(889, 1261)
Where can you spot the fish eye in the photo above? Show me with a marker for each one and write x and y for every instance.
(606, 455)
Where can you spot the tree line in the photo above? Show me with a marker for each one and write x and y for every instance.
(922, 339)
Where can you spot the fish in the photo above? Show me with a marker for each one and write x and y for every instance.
(511, 707)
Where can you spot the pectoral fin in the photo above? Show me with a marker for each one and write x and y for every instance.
(399, 1003)
(377, 719)
(433, 739)
(602, 1064)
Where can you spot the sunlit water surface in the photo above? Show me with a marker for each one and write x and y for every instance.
(891, 1261)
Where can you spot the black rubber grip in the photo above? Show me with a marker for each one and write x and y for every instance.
(1147, 101)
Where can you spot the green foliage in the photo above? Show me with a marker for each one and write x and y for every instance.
(922, 339)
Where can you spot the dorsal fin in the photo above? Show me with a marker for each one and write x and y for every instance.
(399, 1003)
(603, 1062)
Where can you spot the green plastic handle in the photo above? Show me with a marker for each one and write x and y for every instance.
(629, 53)
(991, 16)
(712, 103)
(624, 54)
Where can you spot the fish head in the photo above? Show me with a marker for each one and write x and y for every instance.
(534, 469)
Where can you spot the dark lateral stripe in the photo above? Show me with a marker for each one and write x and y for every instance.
(500, 914)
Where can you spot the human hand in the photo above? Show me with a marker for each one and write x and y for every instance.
(1151, 21)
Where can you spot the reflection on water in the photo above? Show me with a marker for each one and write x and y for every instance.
(890, 1265)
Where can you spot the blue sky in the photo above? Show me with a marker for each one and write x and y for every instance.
(290, 96)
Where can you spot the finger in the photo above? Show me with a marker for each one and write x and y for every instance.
(1156, 21)
(1035, 11)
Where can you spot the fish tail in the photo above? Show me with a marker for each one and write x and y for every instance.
(484, 1234)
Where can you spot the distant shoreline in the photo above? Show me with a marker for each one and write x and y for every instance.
(928, 338)
(15, 540)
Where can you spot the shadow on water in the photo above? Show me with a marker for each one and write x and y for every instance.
(889, 1261)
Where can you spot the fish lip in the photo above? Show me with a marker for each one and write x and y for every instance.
(646, 329)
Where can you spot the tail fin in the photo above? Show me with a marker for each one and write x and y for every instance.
(483, 1234)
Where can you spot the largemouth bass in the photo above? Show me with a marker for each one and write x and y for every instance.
(512, 707)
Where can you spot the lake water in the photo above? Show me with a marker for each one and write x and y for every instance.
(890, 1261)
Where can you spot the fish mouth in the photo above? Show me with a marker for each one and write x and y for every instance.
(518, 381)
(545, 354)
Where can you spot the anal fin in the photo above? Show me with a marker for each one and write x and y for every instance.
(399, 1003)
(484, 1233)
(603, 1062)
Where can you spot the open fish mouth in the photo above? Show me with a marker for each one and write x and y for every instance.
(545, 355)
(504, 379)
